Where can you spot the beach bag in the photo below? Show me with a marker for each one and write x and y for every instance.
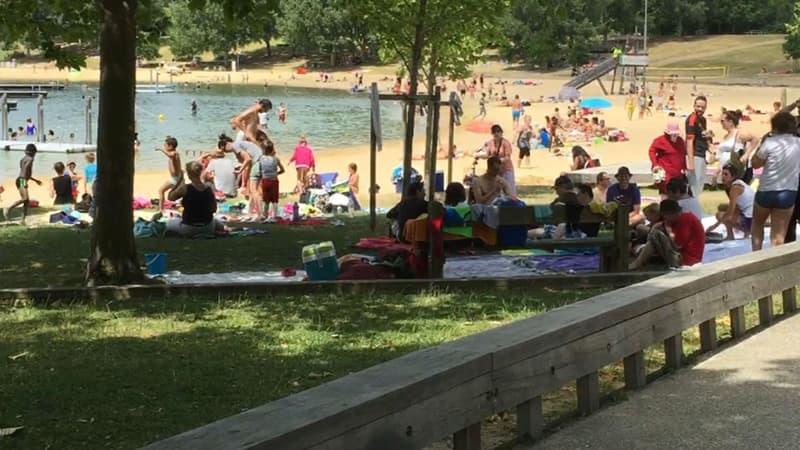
(313, 181)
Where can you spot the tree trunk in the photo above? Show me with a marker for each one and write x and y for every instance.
(413, 77)
(269, 47)
(113, 257)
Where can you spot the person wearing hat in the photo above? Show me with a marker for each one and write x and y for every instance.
(501, 147)
(668, 153)
(625, 192)
(25, 175)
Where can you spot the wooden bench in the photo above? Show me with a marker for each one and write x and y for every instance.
(613, 249)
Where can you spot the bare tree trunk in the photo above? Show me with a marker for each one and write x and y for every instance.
(113, 257)
(413, 76)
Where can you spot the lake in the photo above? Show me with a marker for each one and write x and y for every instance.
(329, 118)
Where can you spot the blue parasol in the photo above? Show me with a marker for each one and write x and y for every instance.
(595, 103)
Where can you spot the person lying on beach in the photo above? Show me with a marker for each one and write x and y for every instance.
(247, 122)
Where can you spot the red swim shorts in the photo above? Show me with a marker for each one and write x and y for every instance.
(270, 191)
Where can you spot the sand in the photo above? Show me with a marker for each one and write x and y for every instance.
(544, 165)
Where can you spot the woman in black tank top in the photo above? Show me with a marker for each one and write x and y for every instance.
(199, 205)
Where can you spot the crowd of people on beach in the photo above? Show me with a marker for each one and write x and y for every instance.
(759, 174)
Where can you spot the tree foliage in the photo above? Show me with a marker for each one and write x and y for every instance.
(329, 27)
(791, 47)
(551, 33)
(454, 34)
(194, 31)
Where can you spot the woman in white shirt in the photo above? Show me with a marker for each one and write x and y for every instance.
(779, 155)
(738, 212)
(736, 140)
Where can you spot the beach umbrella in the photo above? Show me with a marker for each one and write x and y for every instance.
(569, 93)
(595, 103)
(480, 126)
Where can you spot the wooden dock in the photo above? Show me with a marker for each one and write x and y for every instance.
(31, 87)
(24, 94)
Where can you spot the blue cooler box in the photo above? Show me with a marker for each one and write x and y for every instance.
(319, 261)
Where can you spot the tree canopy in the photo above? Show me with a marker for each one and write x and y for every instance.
(791, 48)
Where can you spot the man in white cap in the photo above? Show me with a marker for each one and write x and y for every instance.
(668, 153)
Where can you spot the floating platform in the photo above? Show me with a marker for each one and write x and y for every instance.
(155, 88)
(23, 94)
(48, 147)
(31, 87)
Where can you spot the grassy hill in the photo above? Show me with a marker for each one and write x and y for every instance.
(744, 55)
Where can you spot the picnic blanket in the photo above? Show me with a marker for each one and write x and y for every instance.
(178, 278)
(494, 265)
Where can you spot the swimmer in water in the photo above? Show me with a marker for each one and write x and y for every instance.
(247, 122)
(194, 107)
(282, 113)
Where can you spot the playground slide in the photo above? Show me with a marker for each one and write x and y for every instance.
(592, 74)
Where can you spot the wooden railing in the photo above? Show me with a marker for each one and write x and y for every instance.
(418, 399)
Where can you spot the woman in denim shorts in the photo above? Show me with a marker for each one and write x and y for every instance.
(779, 155)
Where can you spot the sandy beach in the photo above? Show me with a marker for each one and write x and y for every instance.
(544, 166)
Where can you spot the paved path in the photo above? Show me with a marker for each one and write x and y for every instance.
(747, 396)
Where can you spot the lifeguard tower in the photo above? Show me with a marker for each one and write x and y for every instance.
(627, 62)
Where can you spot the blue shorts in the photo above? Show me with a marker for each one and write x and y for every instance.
(776, 199)
(515, 114)
(746, 223)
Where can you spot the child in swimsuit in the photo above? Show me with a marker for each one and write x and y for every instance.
(170, 149)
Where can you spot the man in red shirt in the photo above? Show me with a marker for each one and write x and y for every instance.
(679, 240)
(668, 152)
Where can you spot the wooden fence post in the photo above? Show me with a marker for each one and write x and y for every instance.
(530, 421)
(708, 335)
(765, 310)
(673, 351)
(468, 439)
(635, 371)
(738, 326)
(789, 300)
(588, 387)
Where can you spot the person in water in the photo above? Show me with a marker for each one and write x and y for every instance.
(247, 123)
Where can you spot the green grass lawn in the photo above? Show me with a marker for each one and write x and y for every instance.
(120, 375)
(57, 255)
(124, 374)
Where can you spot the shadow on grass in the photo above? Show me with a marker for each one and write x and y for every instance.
(126, 374)
(55, 256)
